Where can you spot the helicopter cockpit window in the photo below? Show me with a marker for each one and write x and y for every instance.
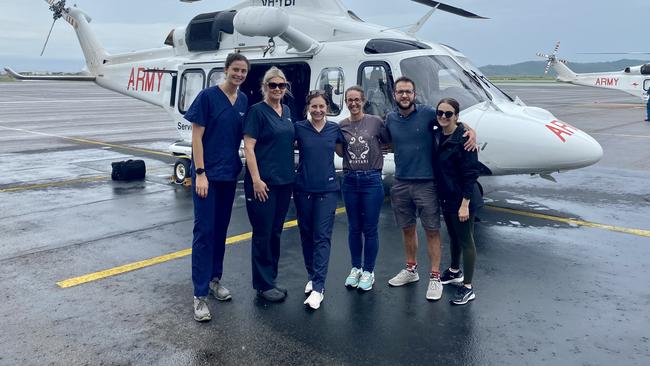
(331, 81)
(216, 77)
(438, 77)
(377, 85)
(645, 69)
(191, 84)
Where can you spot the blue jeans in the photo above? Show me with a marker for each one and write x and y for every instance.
(648, 109)
(363, 194)
(315, 219)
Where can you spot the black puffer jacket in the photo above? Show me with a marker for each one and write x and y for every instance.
(456, 172)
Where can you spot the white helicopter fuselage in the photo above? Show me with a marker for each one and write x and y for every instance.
(323, 46)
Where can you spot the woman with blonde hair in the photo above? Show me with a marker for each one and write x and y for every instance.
(268, 147)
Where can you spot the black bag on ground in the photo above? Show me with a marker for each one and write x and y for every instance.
(128, 170)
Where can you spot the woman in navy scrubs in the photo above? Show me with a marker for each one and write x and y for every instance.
(457, 171)
(268, 145)
(316, 192)
(216, 115)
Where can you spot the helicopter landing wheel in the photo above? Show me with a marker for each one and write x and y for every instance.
(181, 170)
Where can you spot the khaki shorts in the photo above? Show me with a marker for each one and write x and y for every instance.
(413, 198)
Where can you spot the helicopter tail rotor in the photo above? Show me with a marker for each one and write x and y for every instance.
(552, 58)
(58, 10)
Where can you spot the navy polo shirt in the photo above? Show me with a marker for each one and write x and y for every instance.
(412, 138)
(316, 173)
(223, 131)
(274, 146)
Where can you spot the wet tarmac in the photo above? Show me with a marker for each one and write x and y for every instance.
(560, 279)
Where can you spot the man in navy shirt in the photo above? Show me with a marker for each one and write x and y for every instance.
(413, 128)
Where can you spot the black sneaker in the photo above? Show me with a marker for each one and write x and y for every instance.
(463, 296)
(448, 277)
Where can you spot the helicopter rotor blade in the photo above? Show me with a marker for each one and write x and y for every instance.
(48, 37)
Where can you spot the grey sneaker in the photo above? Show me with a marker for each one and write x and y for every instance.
(403, 277)
(201, 310)
(434, 291)
(367, 280)
(218, 291)
(353, 278)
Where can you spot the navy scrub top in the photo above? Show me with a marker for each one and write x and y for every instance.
(274, 137)
(316, 172)
(223, 131)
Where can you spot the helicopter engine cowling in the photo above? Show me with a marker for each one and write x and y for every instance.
(261, 21)
(257, 21)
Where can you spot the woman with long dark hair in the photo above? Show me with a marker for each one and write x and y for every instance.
(457, 171)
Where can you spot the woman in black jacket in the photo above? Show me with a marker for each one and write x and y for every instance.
(456, 172)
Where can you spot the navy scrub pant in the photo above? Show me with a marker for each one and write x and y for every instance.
(315, 219)
(211, 219)
(267, 220)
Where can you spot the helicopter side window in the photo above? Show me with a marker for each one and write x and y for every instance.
(332, 82)
(216, 77)
(376, 81)
(646, 84)
(191, 84)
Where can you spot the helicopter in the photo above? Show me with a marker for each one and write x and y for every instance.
(633, 80)
(320, 44)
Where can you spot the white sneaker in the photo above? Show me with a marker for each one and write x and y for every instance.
(309, 287)
(403, 277)
(314, 299)
(434, 291)
(201, 310)
(218, 291)
(353, 278)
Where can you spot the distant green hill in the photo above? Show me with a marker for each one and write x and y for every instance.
(536, 68)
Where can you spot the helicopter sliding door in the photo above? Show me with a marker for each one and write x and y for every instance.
(298, 75)
(376, 79)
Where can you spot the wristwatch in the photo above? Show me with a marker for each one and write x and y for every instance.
(200, 171)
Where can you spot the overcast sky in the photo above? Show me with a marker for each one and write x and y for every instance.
(515, 31)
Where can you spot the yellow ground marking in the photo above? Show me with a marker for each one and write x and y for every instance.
(620, 135)
(620, 229)
(54, 184)
(157, 260)
(97, 178)
(92, 142)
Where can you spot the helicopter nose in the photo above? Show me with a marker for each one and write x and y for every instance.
(532, 141)
(572, 148)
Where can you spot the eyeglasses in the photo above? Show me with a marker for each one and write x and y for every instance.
(317, 92)
(404, 92)
(447, 114)
(280, 86)
(353, 100)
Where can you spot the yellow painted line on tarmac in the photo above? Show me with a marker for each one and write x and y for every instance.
(620, 135)
(92, 142)
(638, 232)
(54, 184)
(62, 183)
(158, 260)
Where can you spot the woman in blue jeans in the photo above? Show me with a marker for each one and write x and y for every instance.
(362, 188)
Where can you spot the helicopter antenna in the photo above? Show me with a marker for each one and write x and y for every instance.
(57, 8)
(550, 59)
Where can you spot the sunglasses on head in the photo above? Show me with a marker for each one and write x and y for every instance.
(280, 86)
(447, 114)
